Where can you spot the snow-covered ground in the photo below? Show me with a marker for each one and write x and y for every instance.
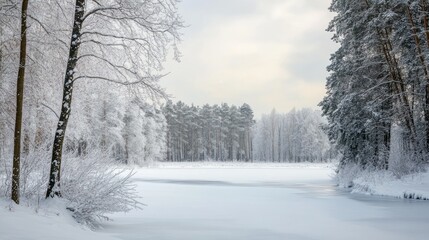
(235, 201)
(50, 221)
(414, 186)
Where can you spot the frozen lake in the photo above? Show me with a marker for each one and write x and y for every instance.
(262, 204)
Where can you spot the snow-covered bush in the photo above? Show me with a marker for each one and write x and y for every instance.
(368, 181)
(33, 176)
(401, 162)
(91, 185)
(403, 179)
(95, 186)
(406, 166)
(347, 174)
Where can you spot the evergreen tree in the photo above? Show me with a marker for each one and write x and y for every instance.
(378, 80)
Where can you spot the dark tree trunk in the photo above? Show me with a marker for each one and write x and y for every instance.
(19, 103)
(54, 176)
(425, 9)
(424, 66)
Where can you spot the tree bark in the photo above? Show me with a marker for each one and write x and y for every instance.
(423, 62)
(19, 103)
(424, 9)
(55, 172)
(399, 85)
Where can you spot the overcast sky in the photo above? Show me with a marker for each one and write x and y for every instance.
(267, 53)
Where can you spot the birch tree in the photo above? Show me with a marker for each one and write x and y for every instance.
(128, 40)
(296, 136)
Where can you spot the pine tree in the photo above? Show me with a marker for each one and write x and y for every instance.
(381, 70)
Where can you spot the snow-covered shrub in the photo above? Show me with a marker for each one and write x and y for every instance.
(401, 162)
(91, 185)
(347, 174)
(369, 180)
(33, 176)
(95, 186)
(406, 166)
(34, 173)
(5, 177)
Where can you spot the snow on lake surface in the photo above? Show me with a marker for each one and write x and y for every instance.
(260, 202)
(233, 201)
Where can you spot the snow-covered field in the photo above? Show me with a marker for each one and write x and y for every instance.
(252, 202)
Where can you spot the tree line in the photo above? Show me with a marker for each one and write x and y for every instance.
(377, 99)
(217, 132)
(297, 136)
(230, 133)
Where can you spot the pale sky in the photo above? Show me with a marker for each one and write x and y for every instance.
(267, 53)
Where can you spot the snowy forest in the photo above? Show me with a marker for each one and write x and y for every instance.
(105, 56)
(115, 93)
(297, 136)
(89, 132)
(108, 58)
(377, 99)
(230, 133)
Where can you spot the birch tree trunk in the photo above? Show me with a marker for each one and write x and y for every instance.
(55, 172)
